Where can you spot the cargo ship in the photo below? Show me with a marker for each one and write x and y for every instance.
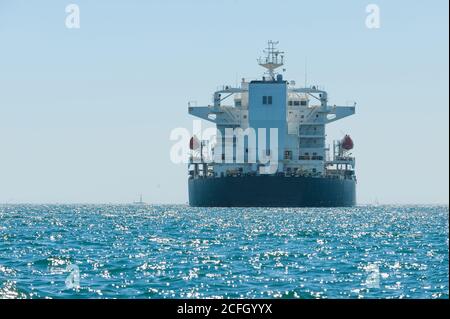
(268, 147)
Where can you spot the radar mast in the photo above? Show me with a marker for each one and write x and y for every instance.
(273, 59)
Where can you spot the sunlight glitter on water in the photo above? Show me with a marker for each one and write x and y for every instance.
(182, 252)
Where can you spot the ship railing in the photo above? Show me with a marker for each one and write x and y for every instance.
(310, 157)
(293, 174)
(340, 174)
(345, 158)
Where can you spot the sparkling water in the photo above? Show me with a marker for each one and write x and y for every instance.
(175, 251)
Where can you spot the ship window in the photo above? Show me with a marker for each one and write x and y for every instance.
(267, 99)
(288, 155)
(290, 103)
(303, 103)
(296, 102)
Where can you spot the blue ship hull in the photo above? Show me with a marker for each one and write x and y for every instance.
(271, 191)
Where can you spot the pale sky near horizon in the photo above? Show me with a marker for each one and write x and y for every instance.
(85, 114)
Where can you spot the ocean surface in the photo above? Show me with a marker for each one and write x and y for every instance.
(132, 251)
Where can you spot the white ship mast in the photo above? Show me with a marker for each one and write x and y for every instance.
(274, 58)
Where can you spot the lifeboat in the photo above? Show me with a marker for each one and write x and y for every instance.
(347, 143)
(194, 143)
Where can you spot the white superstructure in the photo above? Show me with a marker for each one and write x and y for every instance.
(299, 114)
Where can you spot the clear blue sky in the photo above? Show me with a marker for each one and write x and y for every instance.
(85, 114)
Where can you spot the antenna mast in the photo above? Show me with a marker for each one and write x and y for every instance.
(274, 58)
(306, 71)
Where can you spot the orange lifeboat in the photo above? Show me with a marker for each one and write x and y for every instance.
(194, 143)
(347, 143)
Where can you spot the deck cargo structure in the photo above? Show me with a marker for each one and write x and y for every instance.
(270, 149)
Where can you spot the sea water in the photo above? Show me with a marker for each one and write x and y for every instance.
(176, 251)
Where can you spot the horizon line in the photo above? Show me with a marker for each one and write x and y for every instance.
(187, 204)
